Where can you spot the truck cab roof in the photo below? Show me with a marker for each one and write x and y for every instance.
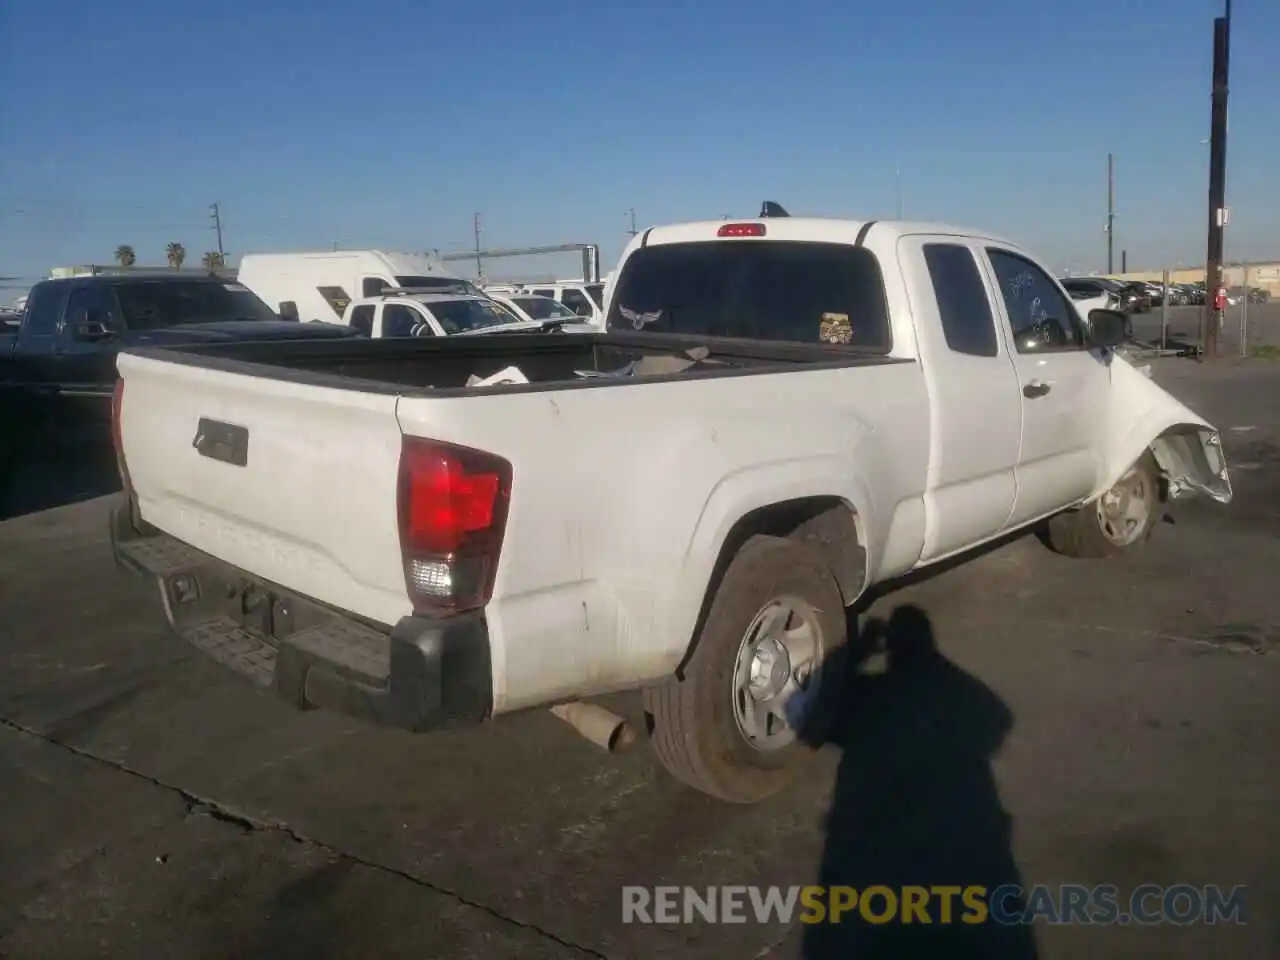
(819, 229)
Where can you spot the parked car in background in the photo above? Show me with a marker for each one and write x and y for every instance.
(530, 307)
(59, 364)
(1135, 297)
(397, 314)
(1092, 293)
(584, 299)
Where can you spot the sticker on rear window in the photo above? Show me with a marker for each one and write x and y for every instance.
(235, 287)
(836, 328)
(639, 320)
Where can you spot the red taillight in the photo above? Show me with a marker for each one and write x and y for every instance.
(741, 230)
(117, 431)
(452, 508)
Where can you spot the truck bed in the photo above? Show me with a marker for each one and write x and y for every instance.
(442, 366)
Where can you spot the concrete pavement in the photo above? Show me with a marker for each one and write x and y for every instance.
(1118, 723)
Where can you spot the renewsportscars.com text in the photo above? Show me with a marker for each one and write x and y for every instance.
(1148, 904)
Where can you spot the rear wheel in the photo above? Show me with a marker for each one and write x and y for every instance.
(1120, 520)
(756, 691)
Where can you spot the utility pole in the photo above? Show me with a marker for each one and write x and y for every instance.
(632, 211)
(216, 217)
(1212, 317)
(479, 262)
(1111, 211)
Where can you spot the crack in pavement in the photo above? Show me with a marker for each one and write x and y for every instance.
(1230, 638)
(197, 804)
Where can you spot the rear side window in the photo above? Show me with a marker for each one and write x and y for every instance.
(758, 290)
(967, 320)
(44, 308)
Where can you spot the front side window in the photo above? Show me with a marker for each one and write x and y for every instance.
(401, 321)
(372, 286)
(798, 292)
(1040, 316)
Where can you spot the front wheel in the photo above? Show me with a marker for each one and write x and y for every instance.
(749, 708)
(1120, 520)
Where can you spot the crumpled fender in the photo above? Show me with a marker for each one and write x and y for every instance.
(1143, 416)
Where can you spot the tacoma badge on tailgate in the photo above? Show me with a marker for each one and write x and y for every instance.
(222, 441)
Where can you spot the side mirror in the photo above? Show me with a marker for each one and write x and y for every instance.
(1107, 328)
(288, 310)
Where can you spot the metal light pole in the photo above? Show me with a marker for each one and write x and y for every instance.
(1111, 211)
(1212, 316)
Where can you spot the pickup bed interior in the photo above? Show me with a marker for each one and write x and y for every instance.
(548, 361)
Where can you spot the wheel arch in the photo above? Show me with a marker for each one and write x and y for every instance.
(831, 523)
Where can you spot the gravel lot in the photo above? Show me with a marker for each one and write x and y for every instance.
(1121, 716)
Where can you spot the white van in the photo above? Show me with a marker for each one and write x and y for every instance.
(318, 286)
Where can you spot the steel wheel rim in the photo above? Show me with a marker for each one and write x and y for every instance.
(776, 672)
(1123, 511)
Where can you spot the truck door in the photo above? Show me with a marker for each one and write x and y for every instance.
(88, 339)
(975, 405)
(1063, 387)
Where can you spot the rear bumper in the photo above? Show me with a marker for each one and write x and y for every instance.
(423, 674)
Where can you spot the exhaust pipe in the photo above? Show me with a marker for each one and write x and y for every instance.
(602, 727)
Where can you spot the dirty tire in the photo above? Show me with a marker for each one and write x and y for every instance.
(694, 730)
(1078, 533)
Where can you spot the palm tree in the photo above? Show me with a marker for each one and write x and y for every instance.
(175, 253)
(212, 260)
(125, 255)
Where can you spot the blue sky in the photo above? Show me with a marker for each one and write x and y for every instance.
(391, 122)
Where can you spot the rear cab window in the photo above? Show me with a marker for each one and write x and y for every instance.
(779, 290)
(161, 303)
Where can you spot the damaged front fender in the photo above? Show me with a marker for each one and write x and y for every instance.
(1142, 416)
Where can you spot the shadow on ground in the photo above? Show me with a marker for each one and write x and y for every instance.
(915, 803)
(43, 465)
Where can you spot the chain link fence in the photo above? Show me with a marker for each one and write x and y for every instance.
(1173, 324)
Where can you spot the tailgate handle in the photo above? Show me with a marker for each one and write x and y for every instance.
(222, 441)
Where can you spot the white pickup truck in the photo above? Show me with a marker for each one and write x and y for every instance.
(432, 313)
(782, 413)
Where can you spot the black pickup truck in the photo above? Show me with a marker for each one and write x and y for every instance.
(59, 366)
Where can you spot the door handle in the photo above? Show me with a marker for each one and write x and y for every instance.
(1035, 389)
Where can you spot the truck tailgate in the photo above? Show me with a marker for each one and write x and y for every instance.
(302, 493)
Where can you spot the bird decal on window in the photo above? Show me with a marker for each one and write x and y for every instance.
(639, 320)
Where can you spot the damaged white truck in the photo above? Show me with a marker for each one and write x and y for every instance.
(782, 413)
